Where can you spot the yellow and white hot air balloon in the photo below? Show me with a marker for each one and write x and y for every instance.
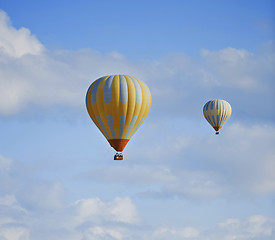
(118, 105)
(217, 112)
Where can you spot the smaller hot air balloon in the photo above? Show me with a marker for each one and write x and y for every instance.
(217, 112)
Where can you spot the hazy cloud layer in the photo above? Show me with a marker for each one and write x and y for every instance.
(255, 227)
(93, 218)
(200, 167)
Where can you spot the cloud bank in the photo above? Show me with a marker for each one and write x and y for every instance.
(31, 75)
(89, 219)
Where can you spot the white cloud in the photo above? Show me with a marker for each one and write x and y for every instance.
(98, 233)
(84, 219)
(161, 182)
(240, 160)
(121, 210)
(9, 201)
(133, 174)
(246, 157)
(5, 163)
(12, 216)
(254, 227)
(14, 233)
(257, 227)
(17, 43)
(238, 68)
(38, 81)
(45, 195)
(172, 233)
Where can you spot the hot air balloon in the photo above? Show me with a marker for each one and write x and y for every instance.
(118, 105)
(217, 112)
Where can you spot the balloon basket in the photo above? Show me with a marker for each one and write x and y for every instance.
(118, 156)
(217, 133)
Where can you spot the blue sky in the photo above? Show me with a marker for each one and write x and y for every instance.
(178, 180)
(145, 29)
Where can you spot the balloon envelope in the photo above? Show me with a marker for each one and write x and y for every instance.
(118, 105)
(217, 112)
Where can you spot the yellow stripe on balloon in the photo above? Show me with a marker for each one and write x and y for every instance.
(142, 107)
(93, 110)
(130, 106)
